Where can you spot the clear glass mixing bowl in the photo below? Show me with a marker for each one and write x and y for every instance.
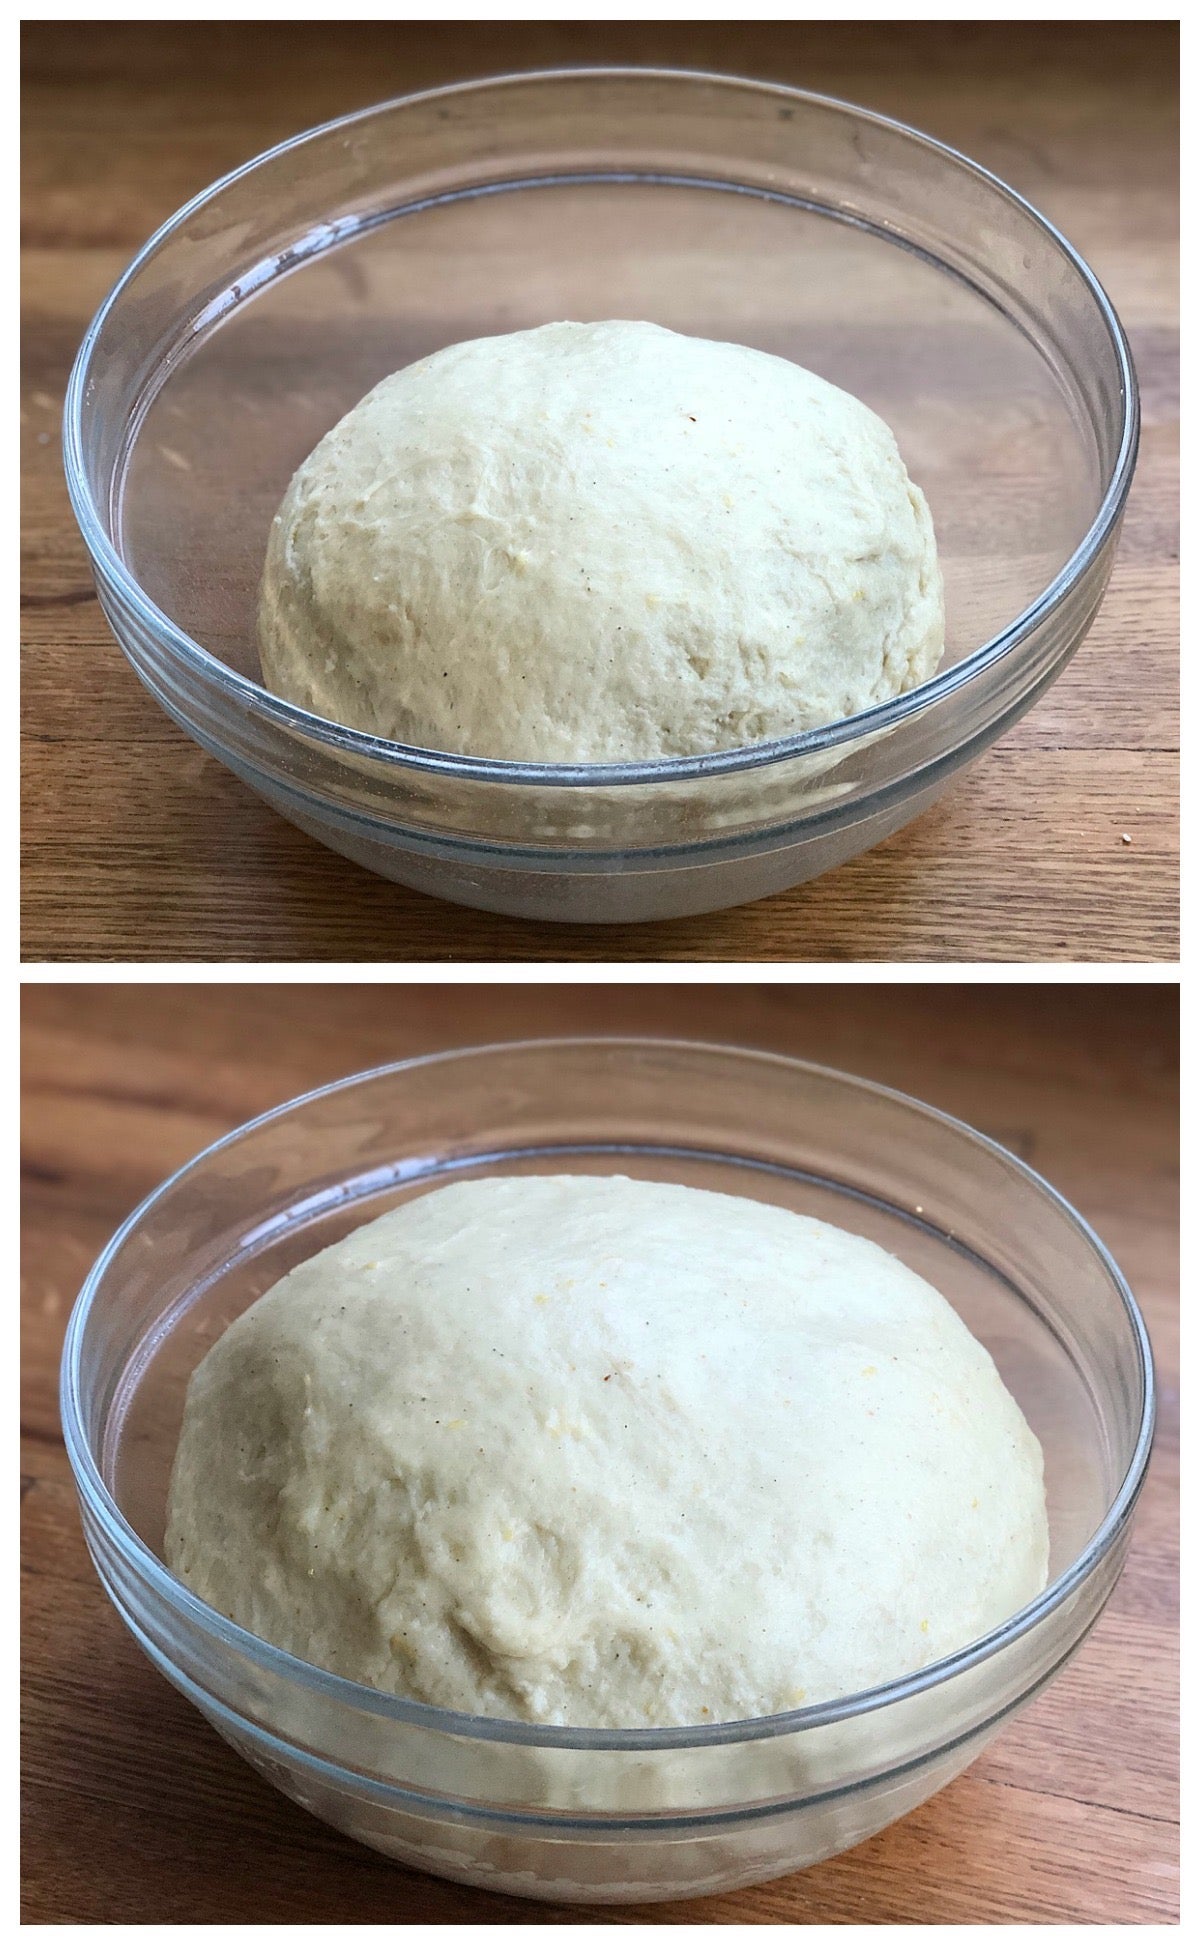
(596, 1815)
(725, 208)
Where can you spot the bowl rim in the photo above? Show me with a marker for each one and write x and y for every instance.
(279, 1663)
(240, 691)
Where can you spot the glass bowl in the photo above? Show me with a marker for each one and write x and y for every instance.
(726, 208)
(598, 1815)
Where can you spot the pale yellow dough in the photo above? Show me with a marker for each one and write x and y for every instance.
(595, 1451)
(600, 543)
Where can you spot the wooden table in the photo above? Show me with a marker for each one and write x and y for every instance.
(137, 846)
(137, 1813)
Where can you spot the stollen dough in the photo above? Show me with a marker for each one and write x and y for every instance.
(600, 543)
(602, 1452)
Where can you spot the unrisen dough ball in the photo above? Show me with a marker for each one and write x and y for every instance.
(594, 1451)
(600, 543)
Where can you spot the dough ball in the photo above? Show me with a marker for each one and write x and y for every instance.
(600, 543)
(603, 1452)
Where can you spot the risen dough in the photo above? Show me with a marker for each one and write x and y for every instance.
(605, 1452)
(600, 543)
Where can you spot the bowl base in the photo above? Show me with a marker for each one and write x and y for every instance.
(630, 897)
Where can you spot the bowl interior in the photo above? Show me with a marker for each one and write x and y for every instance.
(985, 421)
(975, 1226)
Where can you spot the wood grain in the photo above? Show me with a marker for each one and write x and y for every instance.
(137, 1813)
(139, 847)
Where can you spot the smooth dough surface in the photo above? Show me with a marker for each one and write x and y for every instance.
(600, 543)
(595, 1451)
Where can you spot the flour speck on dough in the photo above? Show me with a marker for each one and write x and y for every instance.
(600, 543)
(607, 1453)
